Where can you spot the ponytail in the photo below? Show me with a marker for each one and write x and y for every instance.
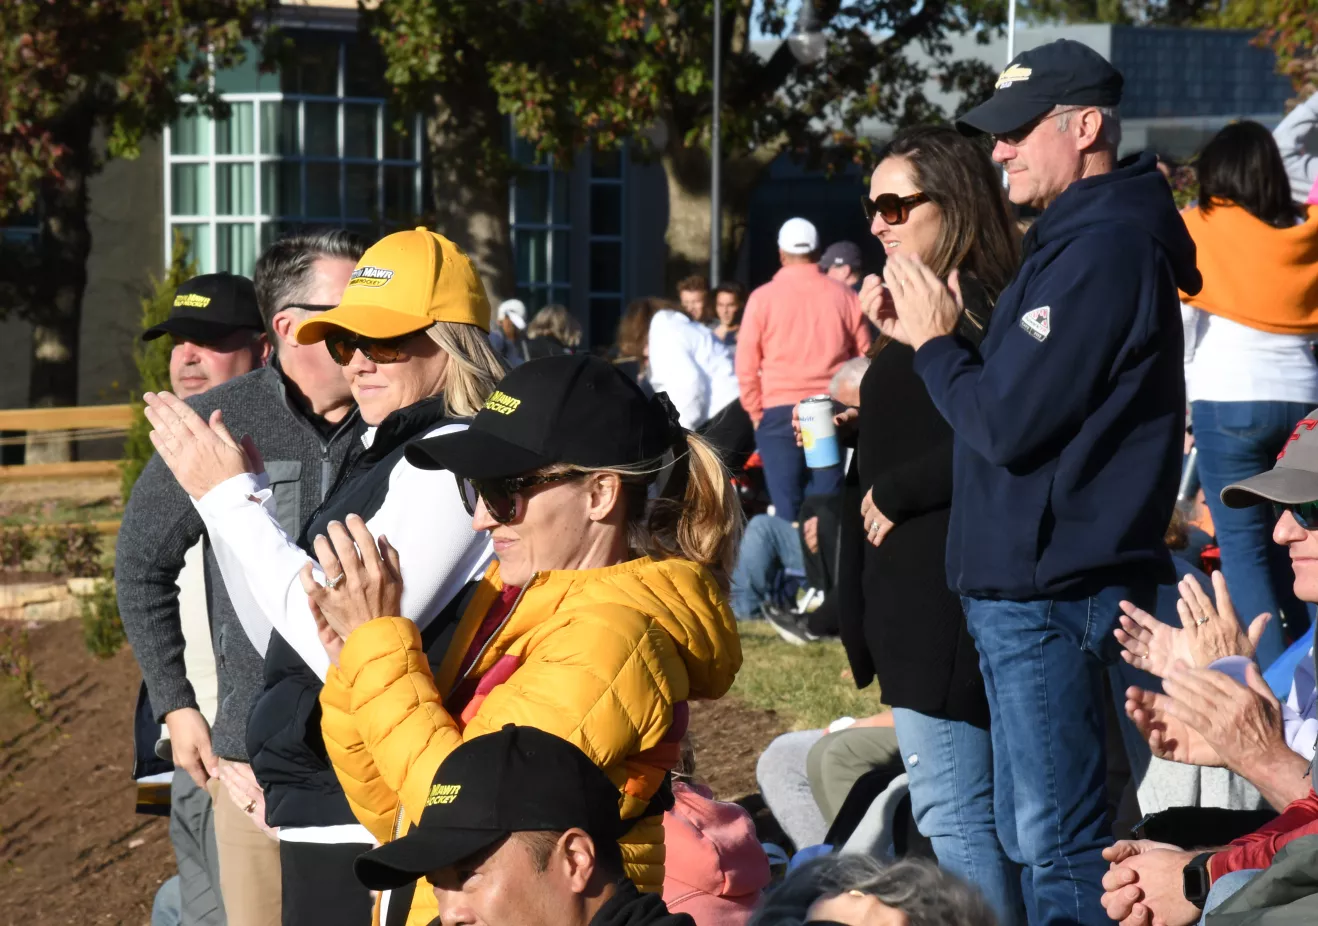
(697, 516)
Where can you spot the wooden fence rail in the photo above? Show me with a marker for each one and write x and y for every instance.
(66, 419)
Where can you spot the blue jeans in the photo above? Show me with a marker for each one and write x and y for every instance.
(949, 769)
(1227, 886)
(1237, 440)
(788, 479)
(1043, 664)
(770, 549)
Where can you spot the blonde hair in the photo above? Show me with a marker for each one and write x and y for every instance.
(703, 525)
(473, 367)
(556, 322)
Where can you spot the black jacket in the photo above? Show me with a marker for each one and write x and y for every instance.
(629, 907)
(1070, 416)
(283, 733)
(898, 619)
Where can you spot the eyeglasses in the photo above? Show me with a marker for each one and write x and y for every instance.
(503, 498)
(1017, 136)
(343, 344)
(894, 209)
(1304, 513)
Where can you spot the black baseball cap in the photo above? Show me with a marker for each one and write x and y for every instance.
(210, 307)
(1060, 73)
(839, 253)
(517, 780)
(575, 408)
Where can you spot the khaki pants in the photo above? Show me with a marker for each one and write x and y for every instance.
(249, 864)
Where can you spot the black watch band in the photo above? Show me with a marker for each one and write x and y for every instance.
(1195, 880)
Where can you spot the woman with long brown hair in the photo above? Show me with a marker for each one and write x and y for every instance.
(934, 196)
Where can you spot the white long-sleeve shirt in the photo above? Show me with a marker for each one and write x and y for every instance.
(422, 515)
(692, 366)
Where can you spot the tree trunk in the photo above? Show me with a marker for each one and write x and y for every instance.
(470, 191)
(56, 311)
(688, 235)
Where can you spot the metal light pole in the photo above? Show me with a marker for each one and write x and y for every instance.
(1011, 30)
(716, 155)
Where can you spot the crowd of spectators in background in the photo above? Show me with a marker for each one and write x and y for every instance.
(421, 591)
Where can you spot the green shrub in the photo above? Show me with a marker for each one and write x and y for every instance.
(16, 664)
(152, 361)
(17, 546)
(75, 552)
(102, 628)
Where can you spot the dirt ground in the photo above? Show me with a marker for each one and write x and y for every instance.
(72, 850)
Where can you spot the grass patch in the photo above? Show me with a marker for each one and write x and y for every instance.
(808, 685)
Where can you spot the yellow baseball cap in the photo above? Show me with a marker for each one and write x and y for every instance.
(405, 282)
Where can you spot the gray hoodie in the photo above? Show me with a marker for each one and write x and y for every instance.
(160, 525)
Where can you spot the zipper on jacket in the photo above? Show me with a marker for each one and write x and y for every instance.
(398, 814)
(503, 623)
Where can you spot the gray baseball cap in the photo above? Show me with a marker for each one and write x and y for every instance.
(1294, 478)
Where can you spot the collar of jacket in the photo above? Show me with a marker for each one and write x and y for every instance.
(402, 425)
(274, 375)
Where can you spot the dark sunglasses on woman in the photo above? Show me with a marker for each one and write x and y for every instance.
(504, 497)
(894, 209)
(343, 344)
(1305, 513)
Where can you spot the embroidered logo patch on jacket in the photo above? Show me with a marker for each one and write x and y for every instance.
(1036, 323)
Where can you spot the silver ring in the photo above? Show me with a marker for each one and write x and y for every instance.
(1200, 621)
(874, 525)
(336, 581)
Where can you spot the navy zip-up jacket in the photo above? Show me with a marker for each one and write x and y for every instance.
(1070, 415)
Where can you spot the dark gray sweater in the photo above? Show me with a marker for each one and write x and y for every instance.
(160, 525)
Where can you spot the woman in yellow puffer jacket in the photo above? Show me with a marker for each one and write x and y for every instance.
(605, 613)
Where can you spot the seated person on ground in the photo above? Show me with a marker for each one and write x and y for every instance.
(715, 865)
(1208, 717)
(806, 775)
(856, 890)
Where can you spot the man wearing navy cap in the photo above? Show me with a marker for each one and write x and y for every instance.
(217, 331)
(1069, 419)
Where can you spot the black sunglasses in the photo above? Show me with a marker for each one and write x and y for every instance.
(503, 497)
(1304, 513)
(306, 307)
(343, 344)
(894, 209)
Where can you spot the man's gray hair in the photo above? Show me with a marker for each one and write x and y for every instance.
(284, 268)
(917, 888)
(1109, 134)
(848, 377)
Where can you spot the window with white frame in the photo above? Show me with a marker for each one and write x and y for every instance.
(539, 214)
(314, 145)
(607, 187)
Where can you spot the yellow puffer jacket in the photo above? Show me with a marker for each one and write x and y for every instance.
(600, 657)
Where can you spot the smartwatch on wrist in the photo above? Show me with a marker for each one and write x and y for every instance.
(1195, 880)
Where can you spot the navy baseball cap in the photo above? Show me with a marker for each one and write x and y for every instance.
(210, 307)
(1060, 73)
(841, 253)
